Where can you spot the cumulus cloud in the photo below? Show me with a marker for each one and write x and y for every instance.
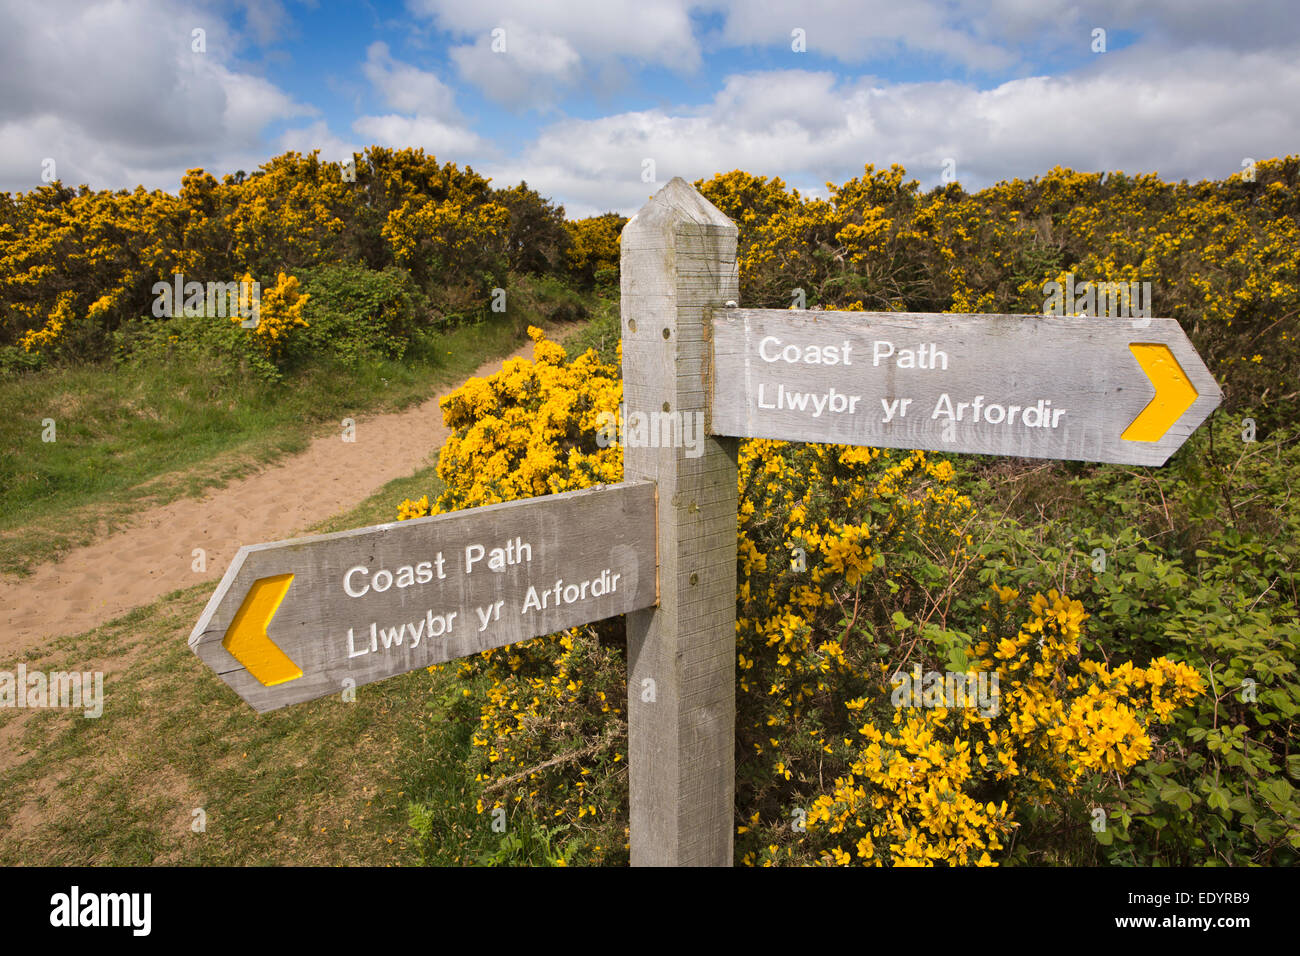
(425, 112)
(986, 36)
(318, 136)
(116, 95)
(527, 69)
(406, 88)
(443, 140)
(553, 49)
(1187, 114)
(865, 31)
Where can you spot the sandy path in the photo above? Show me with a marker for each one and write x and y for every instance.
(155, 556)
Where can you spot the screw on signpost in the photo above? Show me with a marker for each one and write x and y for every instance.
(678, 264)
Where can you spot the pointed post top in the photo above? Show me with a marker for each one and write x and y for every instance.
(677, 203)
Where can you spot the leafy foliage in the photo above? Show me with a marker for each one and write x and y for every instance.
(77, 264)
(891, 578)
(354, 311)
(1220, 255)
(593, 251)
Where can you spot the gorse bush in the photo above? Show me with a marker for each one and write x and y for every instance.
(884, 540)
(279, 315)
(953, 785)
(854, 565)
(593, 252)
(529, 430)
(78, 264)
(1199, 560)
(1220, 255)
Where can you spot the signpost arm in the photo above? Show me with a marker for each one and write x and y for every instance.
(679, 262)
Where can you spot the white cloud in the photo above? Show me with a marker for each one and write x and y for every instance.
(251, 103)
(552, 49)
(408, 89)
(1191, 113)
(651, 31)
(531, 71)
(425, 110)
(864, 31)
(116, 95)
(444, 140)
(993, 35)
(317, 135)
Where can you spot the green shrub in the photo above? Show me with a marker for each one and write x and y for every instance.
(602, 333)
(540, 300)
(223, 348)
(1197, 561)
(14, 360)
(354, 312)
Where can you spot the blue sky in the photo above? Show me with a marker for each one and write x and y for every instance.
(584, 93)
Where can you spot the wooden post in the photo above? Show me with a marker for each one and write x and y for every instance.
(678, 262)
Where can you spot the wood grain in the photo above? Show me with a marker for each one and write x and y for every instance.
(1082, 366)
(572, 537)
(678, 260)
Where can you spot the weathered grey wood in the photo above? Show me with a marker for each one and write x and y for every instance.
(1083, 366)
(678, 260)
(676, 513)
(571, 537)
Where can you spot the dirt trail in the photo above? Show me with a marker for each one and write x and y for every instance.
(111, 576)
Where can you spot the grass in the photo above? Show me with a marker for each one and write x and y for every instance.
(178, 770)
(132, 438)
(376, 781)
(326, 783)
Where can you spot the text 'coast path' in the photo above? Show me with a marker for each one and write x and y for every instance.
(296, 620)
(1088, 389)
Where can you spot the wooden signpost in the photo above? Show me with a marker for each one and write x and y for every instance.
(301, 619)
(678, 263)
(296, 620)
(1033, 386)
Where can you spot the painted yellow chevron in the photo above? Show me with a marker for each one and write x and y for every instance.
(246, 638)
(1174, 393)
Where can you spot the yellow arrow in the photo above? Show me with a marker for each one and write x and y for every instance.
(1174, 393)
(246, 638)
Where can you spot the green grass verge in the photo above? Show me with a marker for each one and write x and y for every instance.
(602, 333)
(131, 438)
(328, 782)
